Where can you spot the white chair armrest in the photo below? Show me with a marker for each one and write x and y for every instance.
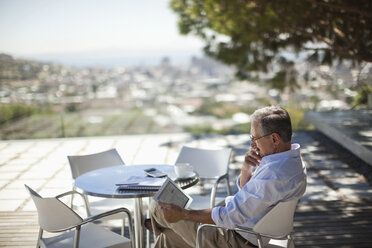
(99, 216)
(241, 229)
(108, 213)
(72, 192)
(112, 212)
(215, 186)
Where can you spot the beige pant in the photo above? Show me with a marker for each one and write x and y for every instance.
(183, 233)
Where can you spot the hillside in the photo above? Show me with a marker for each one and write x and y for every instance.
(18, 69)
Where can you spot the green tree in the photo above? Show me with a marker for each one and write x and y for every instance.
(362, 96)
(14, 112)
(258, 35)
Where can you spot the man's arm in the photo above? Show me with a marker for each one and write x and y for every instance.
(245, 174)
(173, 213)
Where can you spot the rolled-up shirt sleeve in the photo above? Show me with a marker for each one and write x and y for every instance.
(230, 197)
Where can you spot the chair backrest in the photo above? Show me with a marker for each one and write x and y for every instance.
(53, 214)
(81, 164)
(278, 222)
(207, 163)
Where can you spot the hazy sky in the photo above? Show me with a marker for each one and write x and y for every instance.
(92, 28)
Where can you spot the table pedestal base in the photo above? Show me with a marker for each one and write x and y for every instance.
(138, 219)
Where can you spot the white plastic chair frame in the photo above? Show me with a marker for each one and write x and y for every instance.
(45, 222)
(215, 186)
(95, 161)
(197, 157)
(276, 224)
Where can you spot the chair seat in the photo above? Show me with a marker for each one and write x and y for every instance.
(91, 235)
(203, 202)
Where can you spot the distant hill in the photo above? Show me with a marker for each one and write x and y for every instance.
(18, 69)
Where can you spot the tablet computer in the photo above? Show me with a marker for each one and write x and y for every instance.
(170, 192)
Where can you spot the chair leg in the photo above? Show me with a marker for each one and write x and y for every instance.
(87, 205)
(39, 238)
(199, 237)
(148, 233)
(72, 201)
(290, 242)
(77, 237)
(259, 241)
(123, 227)
(72, 197)
(228, 185)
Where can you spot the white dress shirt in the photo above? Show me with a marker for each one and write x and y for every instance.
(279, 177)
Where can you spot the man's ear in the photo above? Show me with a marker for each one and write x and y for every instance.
(276, 138)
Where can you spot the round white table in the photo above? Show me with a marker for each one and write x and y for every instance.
(102, 183)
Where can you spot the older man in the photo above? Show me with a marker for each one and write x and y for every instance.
(280, 176)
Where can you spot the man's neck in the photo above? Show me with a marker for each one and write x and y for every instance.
(283, 147)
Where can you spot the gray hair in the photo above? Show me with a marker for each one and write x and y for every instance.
(274, 119)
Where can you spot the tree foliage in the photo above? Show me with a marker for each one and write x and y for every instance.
(258, 35)
(14, 112)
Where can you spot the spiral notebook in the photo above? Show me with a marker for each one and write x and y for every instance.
(141, 183)
(138, 188)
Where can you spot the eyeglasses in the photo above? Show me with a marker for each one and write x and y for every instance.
(253, 139)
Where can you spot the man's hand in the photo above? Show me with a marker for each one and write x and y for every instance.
(251, 159)
(172, 213)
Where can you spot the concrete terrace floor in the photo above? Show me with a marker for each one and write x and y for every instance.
(336, 210)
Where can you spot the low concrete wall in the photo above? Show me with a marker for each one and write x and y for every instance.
(337, 133)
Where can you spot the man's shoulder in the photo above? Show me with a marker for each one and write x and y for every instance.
(285, 166)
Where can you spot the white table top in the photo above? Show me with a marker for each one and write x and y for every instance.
(102, 182)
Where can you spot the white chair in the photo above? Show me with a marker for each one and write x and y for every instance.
(276, 225)
(209, 164)
(81, 164)
(73, 231)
